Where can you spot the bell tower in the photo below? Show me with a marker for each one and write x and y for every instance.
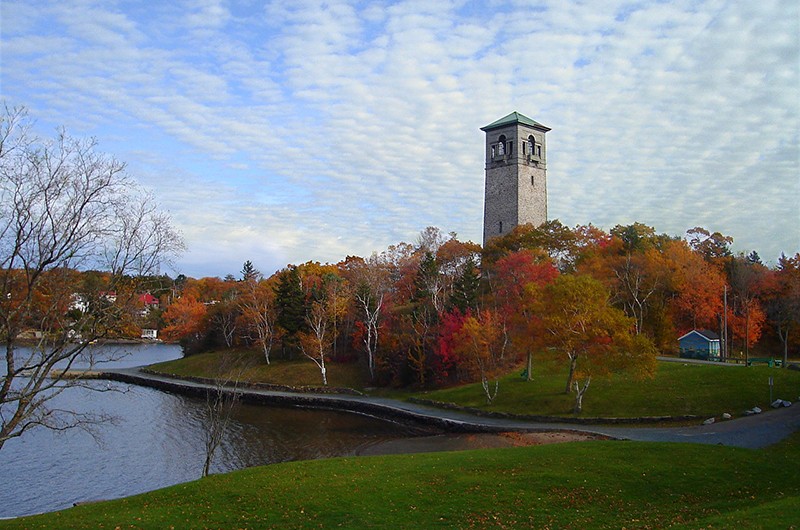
(516, 175)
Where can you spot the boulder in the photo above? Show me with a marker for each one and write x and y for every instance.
(726, 416)
(754, 410)
(709, 421)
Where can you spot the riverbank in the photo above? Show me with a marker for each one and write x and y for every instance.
(678, 391)
(749, 432)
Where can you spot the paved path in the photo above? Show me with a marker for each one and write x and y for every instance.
(751, 432)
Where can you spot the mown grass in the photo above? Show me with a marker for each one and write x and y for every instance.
(676, 390)
(576, 485)
(297, 373)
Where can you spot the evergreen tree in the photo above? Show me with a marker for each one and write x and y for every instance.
(291, 307)
(427, 289)
(249, 272)
(466, 289)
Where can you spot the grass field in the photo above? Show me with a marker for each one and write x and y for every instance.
(677, 389)
(299, 373)
(608, 484)
(575, 485)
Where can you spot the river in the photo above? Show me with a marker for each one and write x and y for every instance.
(157, 440)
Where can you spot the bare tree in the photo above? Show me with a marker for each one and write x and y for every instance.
(372, 278)
(636, 284)
(258, 310)
(221, 401)
(317, 343)
(64, 207)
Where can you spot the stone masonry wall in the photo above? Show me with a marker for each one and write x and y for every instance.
(516, 181)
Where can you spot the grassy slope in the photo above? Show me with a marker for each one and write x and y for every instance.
(677, 389)
(578, 485)
(302, 372)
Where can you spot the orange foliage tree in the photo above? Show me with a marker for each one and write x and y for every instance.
(578, 321)
(511, 275)
(479, 345)
(186, 321)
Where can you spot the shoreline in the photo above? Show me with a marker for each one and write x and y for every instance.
(751, 432)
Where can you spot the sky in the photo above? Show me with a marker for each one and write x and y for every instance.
(283, 132)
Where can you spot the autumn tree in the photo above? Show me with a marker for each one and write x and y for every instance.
(64, 206)
(639, 278)
(186, 321)
(511, 275)
(372, 284)
(782, 300)
(714, 247)
(318, 341)
(258, 314)
(578, 321)
(746, 316)
(559, 242)
(479, 346)
(452, 258)
(427, 305)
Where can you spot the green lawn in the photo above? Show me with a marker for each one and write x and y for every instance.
(676, 389)
(576, 485)
(298, 373)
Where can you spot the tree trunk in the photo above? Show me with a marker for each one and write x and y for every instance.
(783, 334)
(490, 395)
(579, 392)
(573, 362)
(529, 373)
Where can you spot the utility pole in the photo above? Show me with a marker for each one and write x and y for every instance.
(725, 324)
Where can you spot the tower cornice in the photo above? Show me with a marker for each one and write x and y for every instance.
(514, 118)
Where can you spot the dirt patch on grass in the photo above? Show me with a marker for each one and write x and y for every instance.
(461, 442)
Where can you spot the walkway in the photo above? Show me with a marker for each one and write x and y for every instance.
(751, 432)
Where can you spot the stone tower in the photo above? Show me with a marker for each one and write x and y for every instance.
(516, 175)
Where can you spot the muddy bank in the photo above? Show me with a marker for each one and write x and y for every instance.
(464, 441)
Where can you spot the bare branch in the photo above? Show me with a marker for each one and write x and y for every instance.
(64, 207)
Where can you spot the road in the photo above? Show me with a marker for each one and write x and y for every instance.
(753, 432)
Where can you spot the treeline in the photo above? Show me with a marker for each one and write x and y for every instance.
(440, 310)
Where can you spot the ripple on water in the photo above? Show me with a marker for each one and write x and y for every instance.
(158, 441)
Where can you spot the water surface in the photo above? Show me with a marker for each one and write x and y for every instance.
(158, 440)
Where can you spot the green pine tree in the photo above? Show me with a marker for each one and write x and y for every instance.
(291, 305)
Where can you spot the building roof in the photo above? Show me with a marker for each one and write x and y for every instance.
(148, 299)
(706, 334)
(515, 117)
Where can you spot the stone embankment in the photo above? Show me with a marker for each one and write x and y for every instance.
(751, 432)
(351, 402)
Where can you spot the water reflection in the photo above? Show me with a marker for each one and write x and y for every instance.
(158, 441)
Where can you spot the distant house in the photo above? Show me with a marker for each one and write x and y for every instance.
(110, 296)
(148, 302)
(150, 334)
(79, 303)
(700, 344)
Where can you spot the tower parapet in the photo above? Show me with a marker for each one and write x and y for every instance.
(516, 175)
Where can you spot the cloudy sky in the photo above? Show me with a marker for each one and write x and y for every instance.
(282, 132)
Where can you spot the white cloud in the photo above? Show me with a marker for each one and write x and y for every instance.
(313, 130)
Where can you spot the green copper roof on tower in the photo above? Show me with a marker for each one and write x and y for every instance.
(514, 117)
